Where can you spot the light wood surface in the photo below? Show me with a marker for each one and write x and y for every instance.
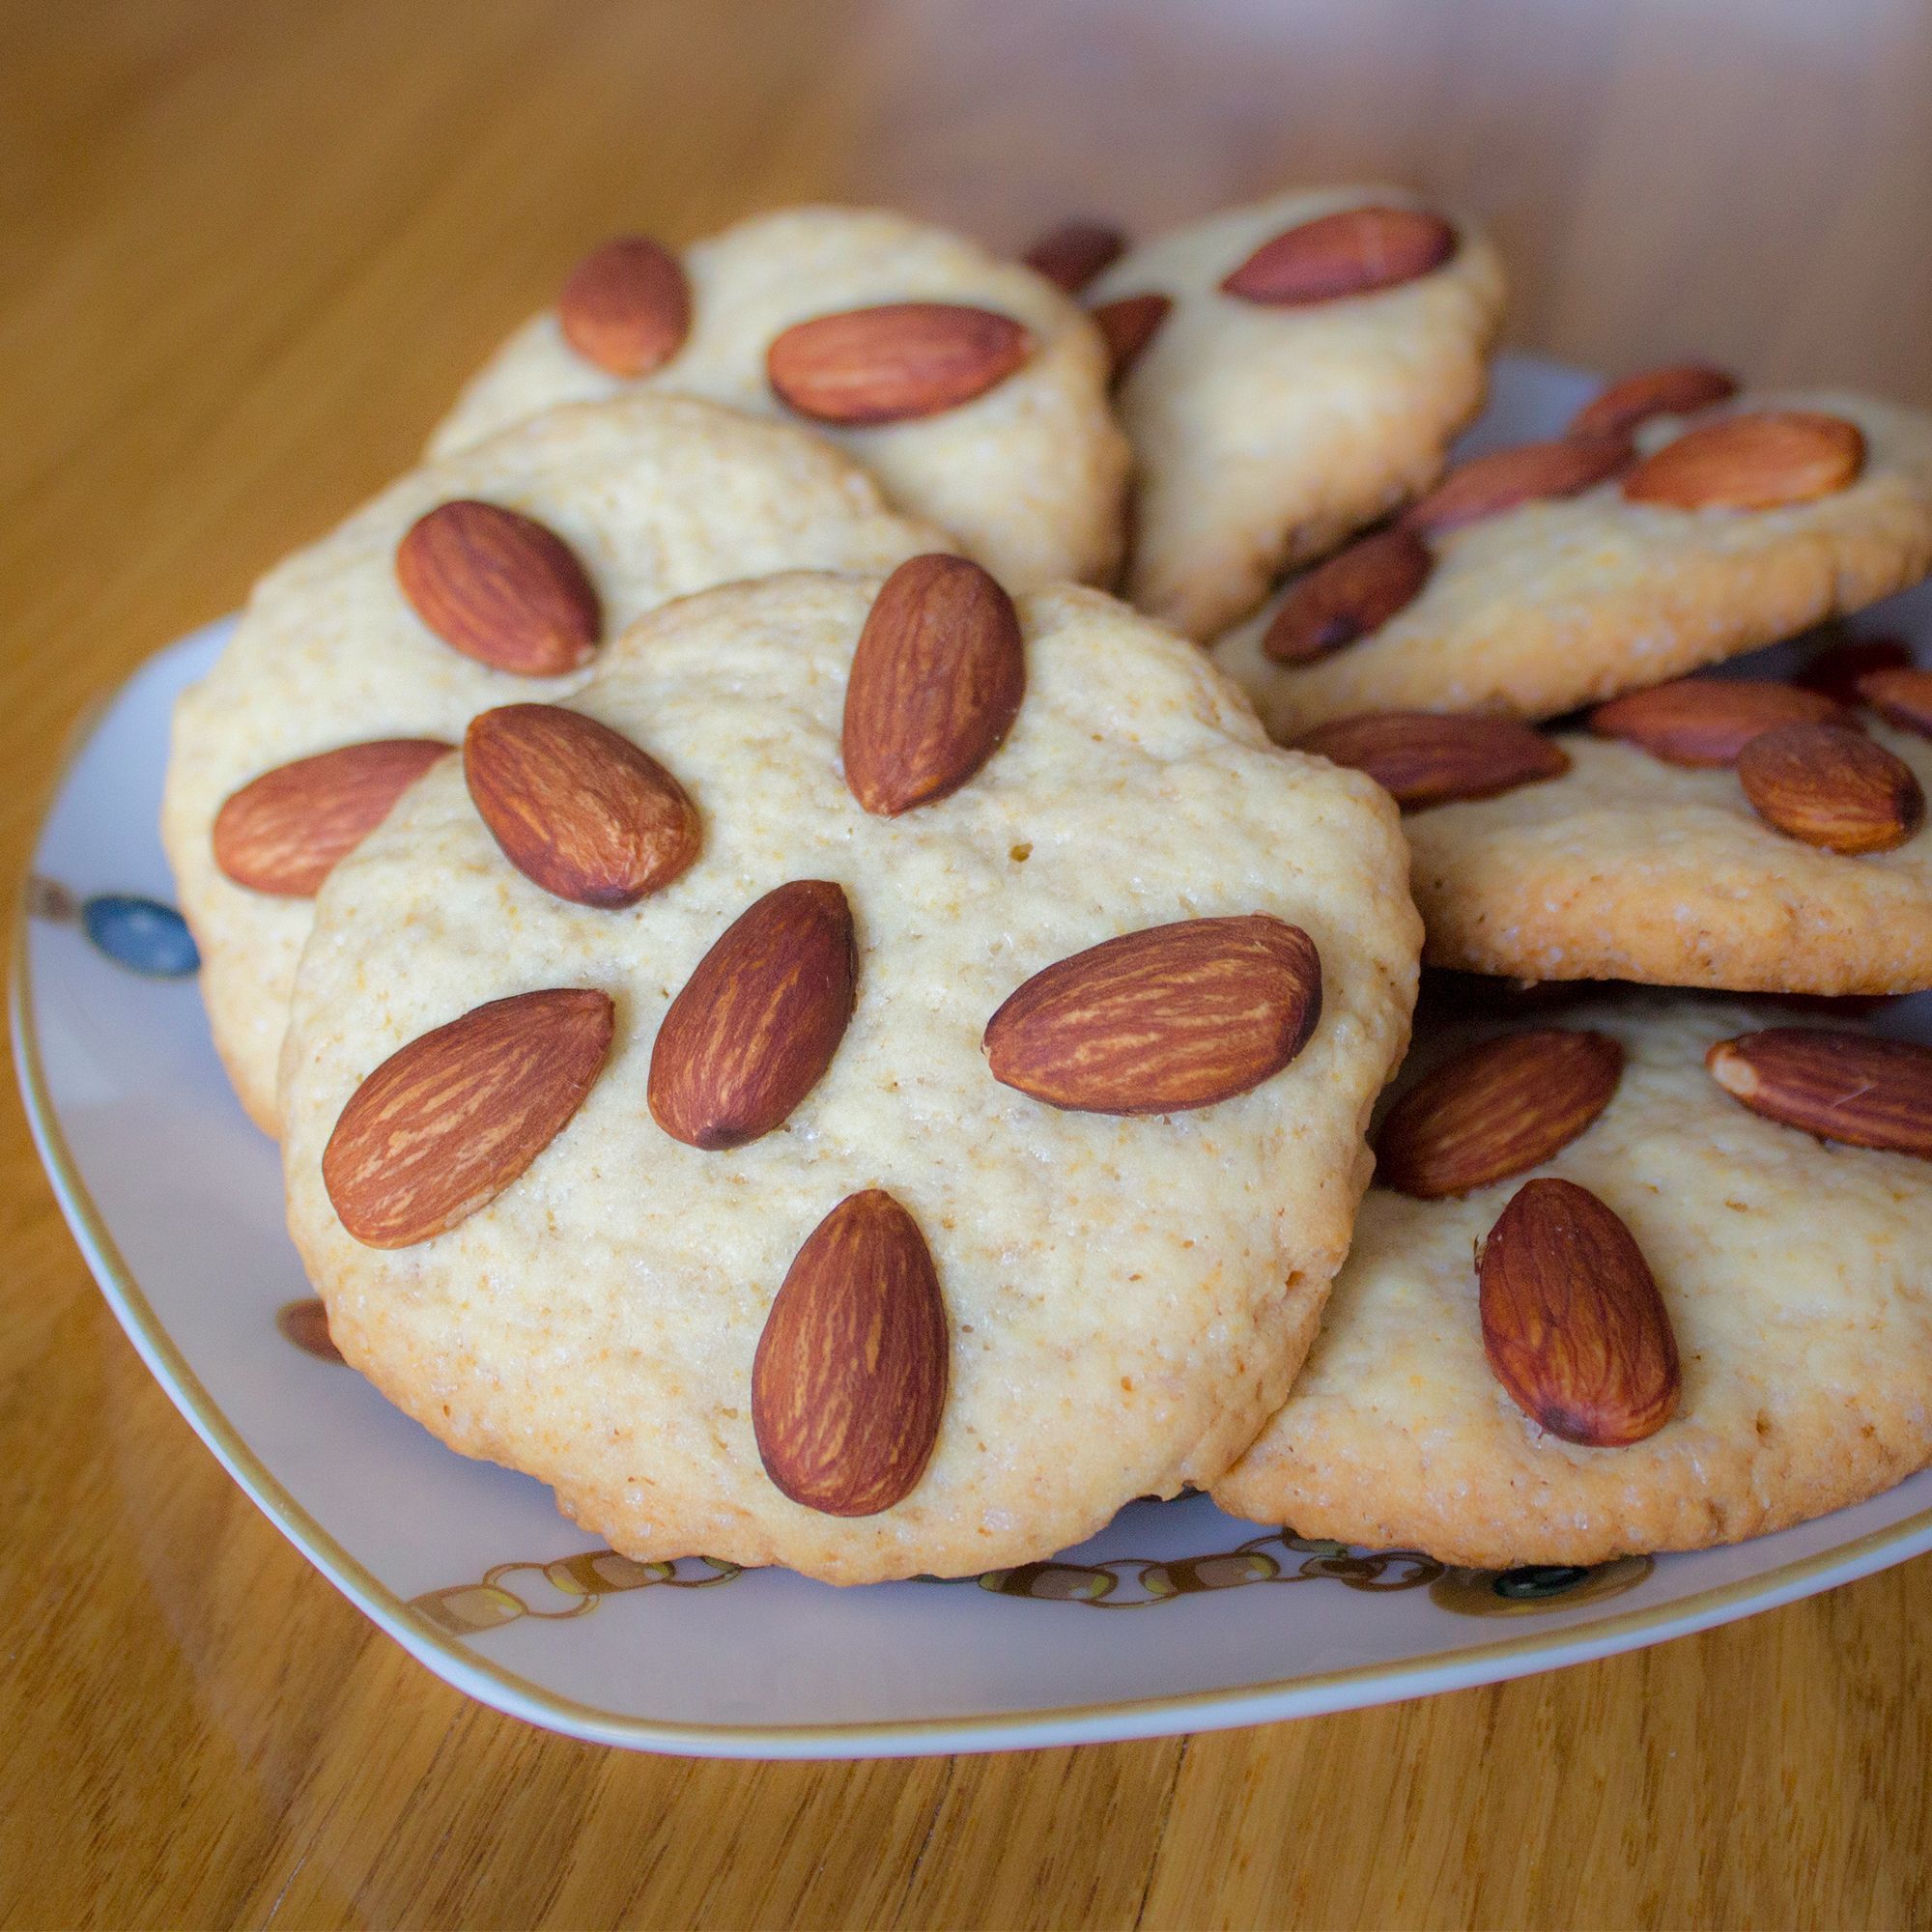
(247, 250)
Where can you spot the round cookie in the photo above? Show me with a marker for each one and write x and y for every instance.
(1124, 1298)
(1028, 477)
(1563, 601)
(657, 497)
(1264, 434)
(1793, 1271)
(1628, 868)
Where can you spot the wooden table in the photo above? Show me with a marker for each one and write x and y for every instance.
(245, 253)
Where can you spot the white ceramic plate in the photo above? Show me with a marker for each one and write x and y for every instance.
(175, 1202)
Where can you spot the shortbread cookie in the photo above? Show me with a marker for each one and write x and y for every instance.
(1628, 867)
(1026, 471)
(652, 496)
(1574, 587)
(1791, 1273)
(1072, 1300)
(1269, 424)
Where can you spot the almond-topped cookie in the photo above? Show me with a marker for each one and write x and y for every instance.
(1289, 371)
(1648, 1275)
(1718, 833)
(1653, 538)
(487, 578)
(972, 388)
(958, 1146)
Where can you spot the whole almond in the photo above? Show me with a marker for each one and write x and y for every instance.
(1072, 254)
(1423, 759)
(1494, 1110)
(758, 1021)
(1837, 669)
(575, 806)
(626, 306)
(890, 364)
(1708, 721)
(1863, 1089)
(1675, 391)
(848, 1385)
(1355, 591)
(1902, 696)
(935, 685)
(1505, 480)
(1129, 326)
(500, 587)
(1833, 788)
(448, 1122)
(1353, 252)
(1572, 1325)
(284, 831)
(1755, 462)
(1163, 1020)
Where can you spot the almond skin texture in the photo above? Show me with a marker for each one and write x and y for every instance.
(1072, 254)
(935, 685)
(1708, 721)
(848, 1385)
(1902, 697)
(1357, 591)
(575, 807)
(284, 831)
(1355, 251)
(1486, 486)
(1573, 1324)
(1833, 788)
(1675, 391)
(626, 306)
(759, 1022)
(1837, 668)
(891, 364)
(1751, 463)
(1129, 326)
(448, 1122)
(1163, 1020)
(500, 587)
(1498, 1109)
(1862, 1088)
(1423, 759)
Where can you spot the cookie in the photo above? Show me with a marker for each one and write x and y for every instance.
(860, 1059)
(1026, 469)
(652, 496)
(1270, 421)
(1788, 1377)
(1627, 866)
(1561, 573)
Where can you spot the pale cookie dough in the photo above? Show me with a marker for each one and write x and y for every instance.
(1563, 603)
(658, 497)
(1127, 1297)
(1028, 476)
(1795, 1275)
(1627, 867)
(1265, 436)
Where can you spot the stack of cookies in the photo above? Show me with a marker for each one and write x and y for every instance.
(823, 898)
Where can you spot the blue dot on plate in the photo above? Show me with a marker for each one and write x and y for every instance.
(141, 934)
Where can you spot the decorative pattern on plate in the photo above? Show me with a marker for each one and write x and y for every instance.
(1282, 1557)
(141, 934)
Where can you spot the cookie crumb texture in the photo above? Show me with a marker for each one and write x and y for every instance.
(1264, 436)
(1805, 1337)
(1028, 477)
(1126, 1299)
(657, 497)
(1625, 868)
(1565, 602)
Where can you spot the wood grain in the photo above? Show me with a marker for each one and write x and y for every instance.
(245, 253)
